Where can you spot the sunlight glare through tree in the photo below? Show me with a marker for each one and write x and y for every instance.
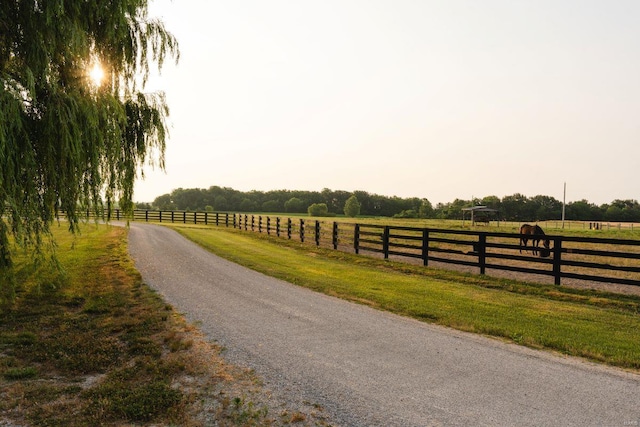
(96, 73)
(74, 137)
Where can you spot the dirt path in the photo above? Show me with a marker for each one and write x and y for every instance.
(369, 368)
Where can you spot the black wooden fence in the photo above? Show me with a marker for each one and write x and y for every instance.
(581, 258)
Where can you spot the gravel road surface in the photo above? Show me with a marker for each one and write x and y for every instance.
(370, 368)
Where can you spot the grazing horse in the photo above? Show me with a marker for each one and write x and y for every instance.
(536, 234)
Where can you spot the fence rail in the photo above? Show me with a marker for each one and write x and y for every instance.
(581, 258)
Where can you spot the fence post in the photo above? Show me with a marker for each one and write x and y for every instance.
(245, 222)
(302, 230)
(260, 224)
(356, 238)
(171, 216)
(118, 217)
(206, 218)
(234, 220)
(317, 233)
(385, 242)
(334, 235)
(425, 247)
(482, 254)
(268, 225)
(146, 216)
(278, 226)
(195, 217)
(253, 223)
(289, 228)
(557, 259)
(226, 219)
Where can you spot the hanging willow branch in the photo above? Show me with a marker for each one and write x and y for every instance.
(65, 143)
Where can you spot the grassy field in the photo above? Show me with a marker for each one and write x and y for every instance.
(576, 228)
(598, 326)
(92, 345)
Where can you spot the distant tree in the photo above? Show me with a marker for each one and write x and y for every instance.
(318, 209)
(190, 199)
(623, 210)
(544, 207)
(271, 206)
(220, 203)
(66, 143)
(613, 213)
(352, 207)
(515, 208)
(426, 209)
(248, 205)
(294, 204)
(452, 210)
(492, 202)
(335, 200)
(582, 210)
(164, 203)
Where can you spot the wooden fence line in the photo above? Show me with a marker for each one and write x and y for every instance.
(582, 258)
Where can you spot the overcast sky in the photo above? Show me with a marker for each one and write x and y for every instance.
(415, 98)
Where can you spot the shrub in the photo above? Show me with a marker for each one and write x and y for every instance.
(294, 204)
(410, 213)
(352, 207)
(318, 209)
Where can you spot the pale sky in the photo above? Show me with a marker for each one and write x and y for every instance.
(440, 99)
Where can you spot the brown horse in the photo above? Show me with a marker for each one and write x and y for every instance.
(535, 233)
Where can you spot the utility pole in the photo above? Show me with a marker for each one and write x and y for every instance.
(564, 198)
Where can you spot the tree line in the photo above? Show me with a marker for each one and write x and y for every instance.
(516, 207)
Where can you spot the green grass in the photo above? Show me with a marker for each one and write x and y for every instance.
(83, 321)
(554, 227)
(602, 327)
(92, 345)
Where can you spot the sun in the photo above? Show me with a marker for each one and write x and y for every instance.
(96, 74)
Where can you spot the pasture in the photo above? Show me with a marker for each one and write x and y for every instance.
(584, 255)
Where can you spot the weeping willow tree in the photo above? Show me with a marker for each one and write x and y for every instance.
(68, 142)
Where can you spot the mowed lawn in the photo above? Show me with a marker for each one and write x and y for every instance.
(598, 326)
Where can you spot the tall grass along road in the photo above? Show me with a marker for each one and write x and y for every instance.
(367, 367)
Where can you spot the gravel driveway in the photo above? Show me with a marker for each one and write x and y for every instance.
(370, 368)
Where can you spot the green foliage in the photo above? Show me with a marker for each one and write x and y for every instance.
(294, 205)
(516, 207)
(318, 209)
(407, 214)
(272, 206)
(352, 207)
(426, 209)
(65, 142)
